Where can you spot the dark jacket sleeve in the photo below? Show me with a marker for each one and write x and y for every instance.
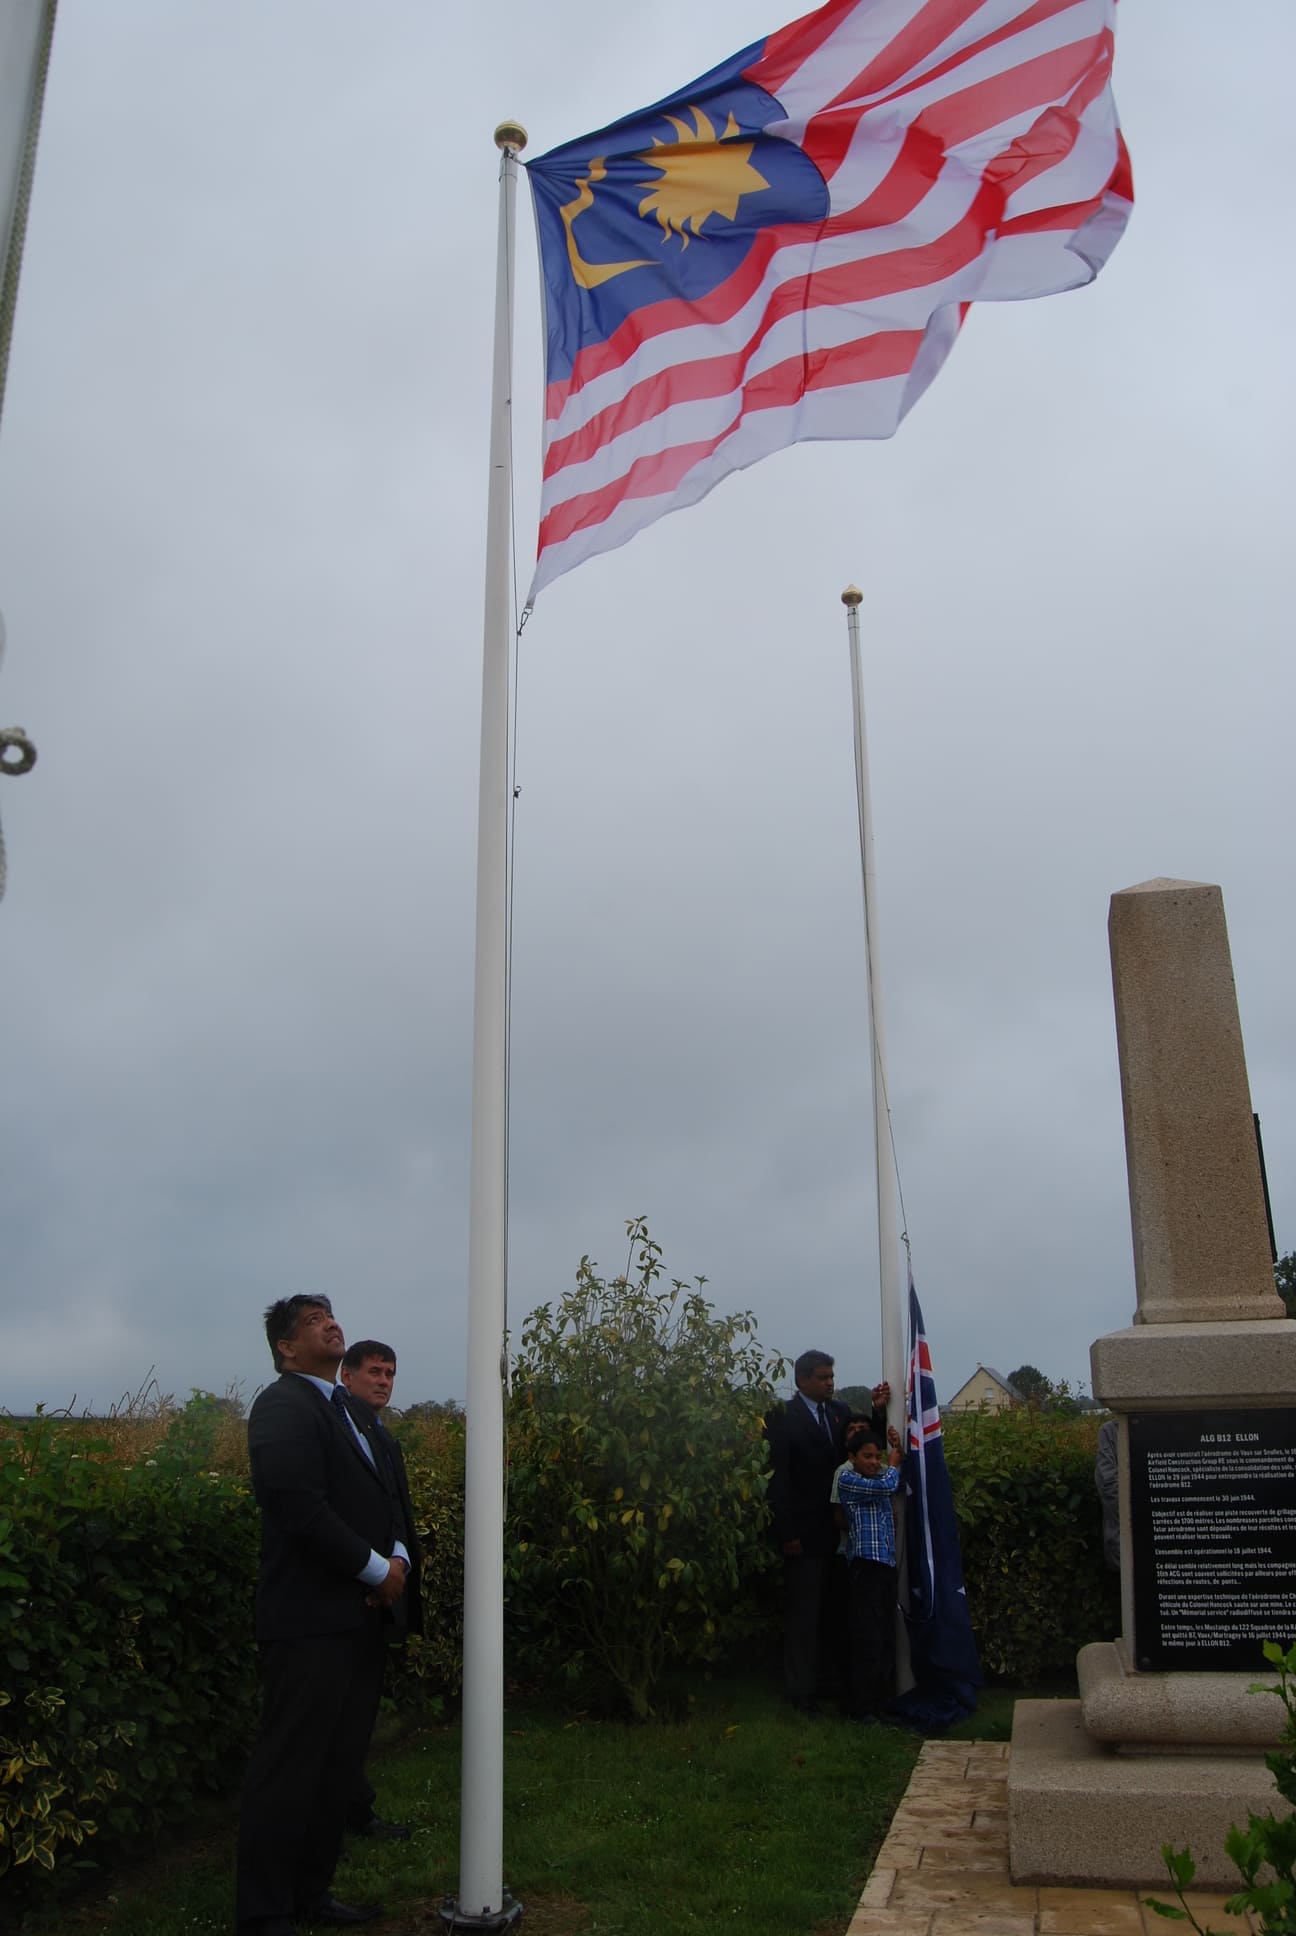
(412, 1598)
(287, 1450)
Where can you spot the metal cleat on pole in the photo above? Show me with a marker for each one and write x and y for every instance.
(17, 755)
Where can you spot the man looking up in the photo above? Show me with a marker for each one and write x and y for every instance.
(331, 1561)
(807, 1444)
(368, 1372)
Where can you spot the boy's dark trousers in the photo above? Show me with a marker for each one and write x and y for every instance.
(870, 1615)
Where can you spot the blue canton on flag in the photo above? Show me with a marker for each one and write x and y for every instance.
(942, 1647)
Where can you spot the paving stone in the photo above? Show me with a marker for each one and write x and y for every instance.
(952, 1858)
(1089, 1912)
(1207, 1909)
(931, 1828)
(877, 1890)
(942, 1870)
(971, 1794)
(928, 1808)
(899, 1853)
(933, 1889)
(884, 1922)
(983, 1837)
(953, 1922)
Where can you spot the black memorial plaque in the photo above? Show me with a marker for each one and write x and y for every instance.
(1213, 1527)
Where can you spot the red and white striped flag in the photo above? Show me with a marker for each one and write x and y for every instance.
(786, 249)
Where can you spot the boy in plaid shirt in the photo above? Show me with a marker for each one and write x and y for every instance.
(866, 1489)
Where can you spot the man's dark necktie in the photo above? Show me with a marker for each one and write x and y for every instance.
(823, 1418)
(366, 1419)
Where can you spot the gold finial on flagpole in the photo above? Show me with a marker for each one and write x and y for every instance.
(511, 134)
(852, 596)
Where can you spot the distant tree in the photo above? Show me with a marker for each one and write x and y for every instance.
(1032, 1384)
(431, 1408)
(1285, 1280)
(226, 1404)
(858, 1397)
(1057, 1395)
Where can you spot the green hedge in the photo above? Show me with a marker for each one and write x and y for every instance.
(1030, 1530)
(128, 1679)
(128, 1685)
(428, 1670)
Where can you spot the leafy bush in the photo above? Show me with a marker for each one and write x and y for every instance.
(128, 1682)
(428, 1669)
(1030, 1528)
(1264, 1852)
(637, 1476)
(125, 1641)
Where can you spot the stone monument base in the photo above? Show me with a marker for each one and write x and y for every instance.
(1080, 1813)
(1142, 1714)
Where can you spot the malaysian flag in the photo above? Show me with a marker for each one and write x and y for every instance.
(942, 1647)
(786, 249)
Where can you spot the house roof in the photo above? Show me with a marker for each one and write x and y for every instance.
(999, 1379)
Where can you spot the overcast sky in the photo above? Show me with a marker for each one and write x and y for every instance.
(242, 507)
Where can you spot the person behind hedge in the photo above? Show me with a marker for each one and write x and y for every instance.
(332, 1562)
(866, 1489)
(368, 1373)
(1107, 1484)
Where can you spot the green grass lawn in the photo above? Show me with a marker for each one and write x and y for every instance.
(737, 1814)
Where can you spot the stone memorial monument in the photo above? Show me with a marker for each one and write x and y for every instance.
(1166, 1742)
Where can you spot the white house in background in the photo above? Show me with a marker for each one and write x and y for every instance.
(986, 1390)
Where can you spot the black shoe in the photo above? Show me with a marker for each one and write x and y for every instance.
(340, 1915)
(381, 1831)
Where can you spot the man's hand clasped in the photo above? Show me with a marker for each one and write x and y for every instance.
(388, 1591)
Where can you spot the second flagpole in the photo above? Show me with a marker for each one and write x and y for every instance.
(893, 1323)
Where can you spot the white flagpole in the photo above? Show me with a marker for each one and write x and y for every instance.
(26, 32)
(482, 1902)
(893, 1328)
(894, 1356)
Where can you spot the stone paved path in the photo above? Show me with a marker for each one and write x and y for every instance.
(943, 1869)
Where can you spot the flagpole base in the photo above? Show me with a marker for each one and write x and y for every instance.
(453, 1917)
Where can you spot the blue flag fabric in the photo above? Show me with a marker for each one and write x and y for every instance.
(942, 1647)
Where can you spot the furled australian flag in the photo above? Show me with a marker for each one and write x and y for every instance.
(942, 1648)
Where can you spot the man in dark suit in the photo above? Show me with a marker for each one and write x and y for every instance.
(807, 1444)
(332, 1562)
(368, 1372)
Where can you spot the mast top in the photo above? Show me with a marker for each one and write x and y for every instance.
(511, 134)
(852, 596)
